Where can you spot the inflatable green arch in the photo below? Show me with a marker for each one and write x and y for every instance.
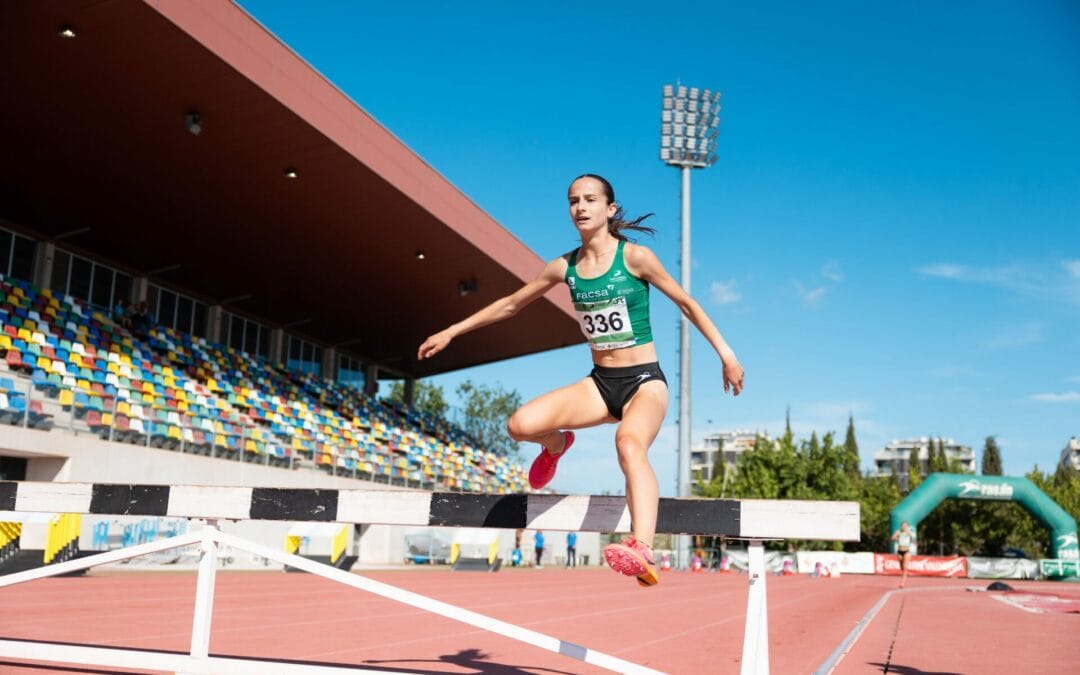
(941, 486)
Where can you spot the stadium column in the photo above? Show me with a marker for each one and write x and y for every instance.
(371, 379)
(140, 287)
(277, 345)
(410, 391)
(43, 265)
(329, 363)
(213, 323)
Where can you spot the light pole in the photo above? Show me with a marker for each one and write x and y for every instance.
(688, 131)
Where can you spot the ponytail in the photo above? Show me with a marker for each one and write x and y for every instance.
(619, 221)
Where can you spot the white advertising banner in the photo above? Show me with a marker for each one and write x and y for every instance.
(845, 563)
(1002, 568)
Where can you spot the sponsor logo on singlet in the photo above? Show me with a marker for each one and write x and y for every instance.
(591, 295)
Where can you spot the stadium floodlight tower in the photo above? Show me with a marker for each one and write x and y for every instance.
(688, 131)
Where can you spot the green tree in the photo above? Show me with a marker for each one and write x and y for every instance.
(877, 498)
(914, 469)
(941, 461)
(487, 409)
(991, 459)
(427, 397)
(851, 450)
(719, 467)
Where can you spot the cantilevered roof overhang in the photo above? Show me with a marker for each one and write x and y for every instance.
(95, 137)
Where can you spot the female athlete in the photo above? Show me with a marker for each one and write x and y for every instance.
(609, 280)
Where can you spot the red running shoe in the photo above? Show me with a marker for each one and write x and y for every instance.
(543, 467)
(634, 559)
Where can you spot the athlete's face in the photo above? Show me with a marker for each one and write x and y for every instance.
(589, 207)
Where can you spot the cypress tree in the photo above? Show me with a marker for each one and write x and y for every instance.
(914, 469)
(991, 459)
(851, 449)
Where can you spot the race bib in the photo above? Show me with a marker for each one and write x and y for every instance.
(606, 323)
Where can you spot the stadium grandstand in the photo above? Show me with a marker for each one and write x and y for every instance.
(290, 250)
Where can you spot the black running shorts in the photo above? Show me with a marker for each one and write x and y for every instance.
(618, 385)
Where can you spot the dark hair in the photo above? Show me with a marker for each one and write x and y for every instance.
(619, 221)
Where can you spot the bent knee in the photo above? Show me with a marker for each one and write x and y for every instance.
(630, 449)
(520, 427)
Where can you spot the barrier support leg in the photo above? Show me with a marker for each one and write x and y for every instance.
(755, 655)
(204, 593)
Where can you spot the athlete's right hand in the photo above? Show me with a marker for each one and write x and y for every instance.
(433, 345)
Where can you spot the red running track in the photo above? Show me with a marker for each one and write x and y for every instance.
(690, 623)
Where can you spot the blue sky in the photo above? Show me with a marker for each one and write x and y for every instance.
(892, 228)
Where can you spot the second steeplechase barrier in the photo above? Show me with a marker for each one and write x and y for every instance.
(751, 520)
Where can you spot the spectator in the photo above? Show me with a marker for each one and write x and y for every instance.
(538, 544)
(141, 319)
(571, 549)
(120, 314)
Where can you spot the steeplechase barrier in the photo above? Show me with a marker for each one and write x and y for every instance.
(752, 520)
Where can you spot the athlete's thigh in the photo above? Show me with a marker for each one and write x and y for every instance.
(645, 412)
(574, 406)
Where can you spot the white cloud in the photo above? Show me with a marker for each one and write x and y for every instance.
(724, 293)
(811, 297)
(1067, 397)
(813, 293)
(1012, 276)
(1018, 335)
(831, 271)
(1029, 279)
(946, 271)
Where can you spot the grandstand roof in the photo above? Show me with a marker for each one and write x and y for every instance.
(95, 137)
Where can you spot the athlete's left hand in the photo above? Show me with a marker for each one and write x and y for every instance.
(733, 376)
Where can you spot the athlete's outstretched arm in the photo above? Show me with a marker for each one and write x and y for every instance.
(503, 308)
(644, 264)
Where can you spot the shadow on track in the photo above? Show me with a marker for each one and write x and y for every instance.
(908, 670)
(470, 658)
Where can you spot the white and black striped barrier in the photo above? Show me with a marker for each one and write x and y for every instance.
(742, 519)
(752, 520)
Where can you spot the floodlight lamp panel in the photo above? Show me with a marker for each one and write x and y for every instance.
(665, 116)
(668, 90)
(669, 103)
(682, 91)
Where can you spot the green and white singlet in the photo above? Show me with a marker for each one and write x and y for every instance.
(613, 308)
